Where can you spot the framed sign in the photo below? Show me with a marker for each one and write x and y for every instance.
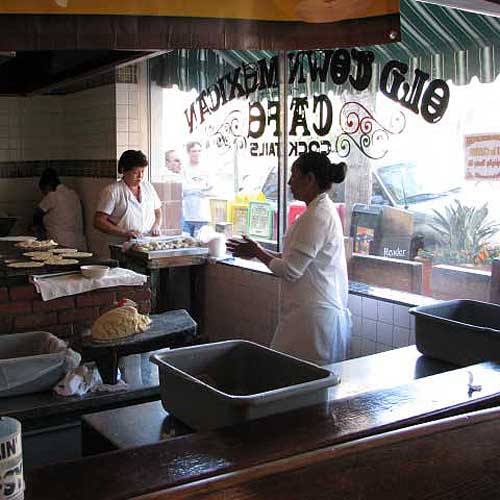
(482, 156)
(260, 220)
(239, 216)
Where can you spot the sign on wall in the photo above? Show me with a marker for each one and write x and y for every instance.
(482, 156)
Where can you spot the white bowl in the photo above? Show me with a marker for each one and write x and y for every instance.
(94, 271)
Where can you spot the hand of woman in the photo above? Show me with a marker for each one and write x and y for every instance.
(246, 249)
(132, 234)
(155, 230)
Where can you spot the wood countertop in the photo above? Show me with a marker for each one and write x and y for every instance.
(138, 471)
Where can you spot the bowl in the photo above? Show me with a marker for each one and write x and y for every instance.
(94, 272)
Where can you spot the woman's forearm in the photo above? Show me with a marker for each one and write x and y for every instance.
(265, 256)
(158, 214)
(106, 226)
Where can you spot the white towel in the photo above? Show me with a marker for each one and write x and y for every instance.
(73, 284)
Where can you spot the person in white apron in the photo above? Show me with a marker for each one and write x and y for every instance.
(129, 208)
(59, 215)
(314, 321)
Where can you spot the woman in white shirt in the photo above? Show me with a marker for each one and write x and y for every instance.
(130, 207)
(59, 214)
(314, 320)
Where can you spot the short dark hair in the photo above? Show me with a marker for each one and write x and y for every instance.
(325, 172)
(130, 159)
(49, 179)
(192, 144)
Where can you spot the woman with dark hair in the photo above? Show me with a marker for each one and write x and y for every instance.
(314, 320)
(59, 215)
(130, 207)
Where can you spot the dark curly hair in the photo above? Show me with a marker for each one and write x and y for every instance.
(49, 179)
(131, 159)
(325, 172)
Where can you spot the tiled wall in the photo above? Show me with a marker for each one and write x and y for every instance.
(131, 112)
(74, 133)
(79, 126)
(240, 303)
(89, 124)
(31, 127)
(127, 118)
(379, 326)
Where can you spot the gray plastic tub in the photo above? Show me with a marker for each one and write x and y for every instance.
(215, 385)
(33, 362)
(462, 332)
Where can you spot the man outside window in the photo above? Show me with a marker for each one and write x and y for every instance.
(197, 188)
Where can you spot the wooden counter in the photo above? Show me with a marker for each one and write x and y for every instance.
(148, 423)
(191, 460)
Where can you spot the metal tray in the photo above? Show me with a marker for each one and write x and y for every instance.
(174, 252)
(219, 384)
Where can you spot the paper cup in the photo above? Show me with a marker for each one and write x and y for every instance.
(11, 460)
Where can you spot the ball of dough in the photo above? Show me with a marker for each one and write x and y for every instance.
(119, 323)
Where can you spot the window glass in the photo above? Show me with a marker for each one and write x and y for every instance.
(419, 188)
(214, 145)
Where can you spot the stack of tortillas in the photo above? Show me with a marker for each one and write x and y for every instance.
(58, 256)
(119, 323)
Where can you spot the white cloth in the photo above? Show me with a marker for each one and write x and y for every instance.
(73, 284)
(63, 218)
(196, 189)
(84, 379)
(314, 319)
(126, 211)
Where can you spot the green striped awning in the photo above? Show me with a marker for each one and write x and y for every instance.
(447, 43)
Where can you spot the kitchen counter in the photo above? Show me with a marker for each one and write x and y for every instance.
(12, 276)
(172, 274)
(47, 409)
(184, 460)
(149, 423)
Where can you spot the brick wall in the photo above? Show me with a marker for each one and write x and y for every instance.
(22, 309)
(451, 282)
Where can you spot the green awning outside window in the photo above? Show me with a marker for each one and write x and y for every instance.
(447, 43)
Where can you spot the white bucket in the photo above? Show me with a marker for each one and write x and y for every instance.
(11, 460)
(217, 246)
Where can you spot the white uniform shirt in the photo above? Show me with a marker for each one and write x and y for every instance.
(314, 320)
(125, 210)
(196, 189)
(63, 218)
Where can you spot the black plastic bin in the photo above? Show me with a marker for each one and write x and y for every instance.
(462, 332)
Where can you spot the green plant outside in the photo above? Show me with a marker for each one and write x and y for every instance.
(462, 235)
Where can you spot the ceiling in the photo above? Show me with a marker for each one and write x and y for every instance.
(449, 43)
(53, 71)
